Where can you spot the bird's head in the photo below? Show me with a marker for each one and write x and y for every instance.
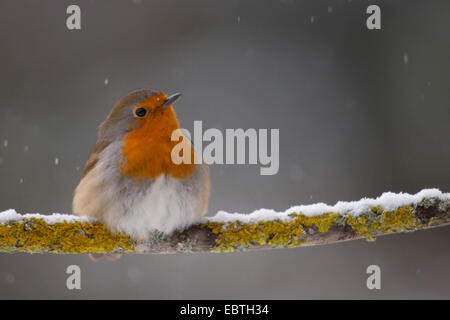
(143, 121)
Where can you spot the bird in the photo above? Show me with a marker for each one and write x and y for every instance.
(130, 183)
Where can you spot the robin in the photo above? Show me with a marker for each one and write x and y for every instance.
(130, 182)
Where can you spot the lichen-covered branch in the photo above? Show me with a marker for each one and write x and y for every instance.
(36, 235)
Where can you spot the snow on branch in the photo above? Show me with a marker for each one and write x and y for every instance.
(263, 229)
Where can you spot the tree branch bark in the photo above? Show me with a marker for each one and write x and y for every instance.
(36, 235)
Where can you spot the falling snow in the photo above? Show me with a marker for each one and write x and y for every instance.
(106, 82)
(5, 143)
(405, 58)
(56, 161)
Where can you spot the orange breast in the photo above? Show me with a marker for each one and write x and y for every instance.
(147, 148)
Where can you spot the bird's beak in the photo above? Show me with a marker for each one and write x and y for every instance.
(170, 100)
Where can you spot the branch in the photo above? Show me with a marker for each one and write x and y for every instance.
(265, 229)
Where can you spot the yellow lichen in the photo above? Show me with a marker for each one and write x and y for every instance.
(323, 222)
(36, 236)
(379, 221)
(237, 235)
(362, 227)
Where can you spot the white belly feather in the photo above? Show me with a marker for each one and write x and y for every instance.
(166, 205)
(139, 207)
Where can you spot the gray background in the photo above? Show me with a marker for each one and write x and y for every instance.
(360, 112)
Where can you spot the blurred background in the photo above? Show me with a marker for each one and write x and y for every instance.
(360, 112)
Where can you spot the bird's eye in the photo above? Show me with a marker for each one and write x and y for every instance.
(140, 112)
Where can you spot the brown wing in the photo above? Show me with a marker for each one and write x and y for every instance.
(93, 158)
